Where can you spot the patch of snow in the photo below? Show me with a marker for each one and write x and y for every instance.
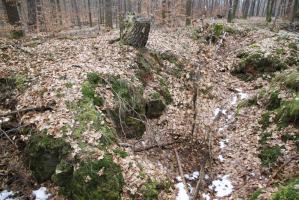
(179, 179)
(234, 100)
(218, 111)
(192, 176)
(222, 143)
(243, 95)
(220, 157)
(222, 186)
(6, 195)
(206, 196)
(5, 119)
(207, 177)
(182, 194)
(41, 194)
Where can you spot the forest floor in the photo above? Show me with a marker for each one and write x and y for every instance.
(204, 122)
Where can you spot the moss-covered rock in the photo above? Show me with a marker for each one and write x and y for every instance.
(152, 188)
(288, 111)
(63, 174)
(100, 179)
(287, 192)
(43, 154)
(155, 105)
(255, 63)
(88, 117)
(129, 114)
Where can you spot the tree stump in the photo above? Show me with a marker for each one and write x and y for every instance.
(135, 31)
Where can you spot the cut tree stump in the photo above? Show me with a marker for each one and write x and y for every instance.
(135, 31)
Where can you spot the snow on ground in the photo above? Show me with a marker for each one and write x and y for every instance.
(6, 195)
(182, 193)
(222, 186)
(41, 194)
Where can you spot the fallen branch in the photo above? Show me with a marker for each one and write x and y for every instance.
(181, 170)
(3, 132)
(154, 146)
(113, 41)
(281, 168)
(26, 110)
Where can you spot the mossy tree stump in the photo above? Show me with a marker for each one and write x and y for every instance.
(135, 31)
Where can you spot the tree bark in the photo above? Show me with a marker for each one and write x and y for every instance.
(188, 12)
(269, 10)
(136, 31)
(230, 12)
(108, 13)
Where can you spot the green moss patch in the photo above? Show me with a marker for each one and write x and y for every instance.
(152, 188)
(288, 112)
(265, 120)
(254, 64)
(87, 116)
(287, 192)
(129, 114)
(100, 179)
(269, 155)
(289, 79)
(43, 154)
(256, 194)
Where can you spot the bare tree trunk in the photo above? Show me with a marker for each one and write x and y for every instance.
(269, 10)
(188, 12)
(230, 11)
(294, 9)
(89, 13)
(108, 13)
(245, 8)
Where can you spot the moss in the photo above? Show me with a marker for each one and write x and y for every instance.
(100, 179)
(288, 111)
(292, 81)
(293, 46)
(63, 174)
(130, 111)
(247, 103)
(164, 91)
(94, 78)
(269, 155)
(69, 85)
(43, 154)
(21, 81)
(256, 194)
(218, 29)
(88, 91)
(17, 34)
(121, 153)
(287, 192)
(257, 63)
(88, 117)
(152, 188)
(274, 100)
(265, 120)
(280, 51)
(264, 137)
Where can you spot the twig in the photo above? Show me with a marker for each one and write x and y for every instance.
(8, 137)
(113, 41)
(23, 111)
(199, 183)
(280, 168)
(181, 170)
(155, 146)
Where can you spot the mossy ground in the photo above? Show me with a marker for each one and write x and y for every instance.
(253, 64)
(43, 154)
(151, 189)
(288, 191)
(269, 155)
(100, 179)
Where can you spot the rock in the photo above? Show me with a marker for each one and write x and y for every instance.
(63, 173)
(155, 106)
(100, 179)
(43, 154)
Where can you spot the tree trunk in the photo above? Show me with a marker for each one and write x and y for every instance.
(12, 12)
(294, 10)
(269, 10)
(136, 31)
(230, 12)
(235, 6)
(108, 13)
(188, 12)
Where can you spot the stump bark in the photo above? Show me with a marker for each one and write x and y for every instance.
(135, 31)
